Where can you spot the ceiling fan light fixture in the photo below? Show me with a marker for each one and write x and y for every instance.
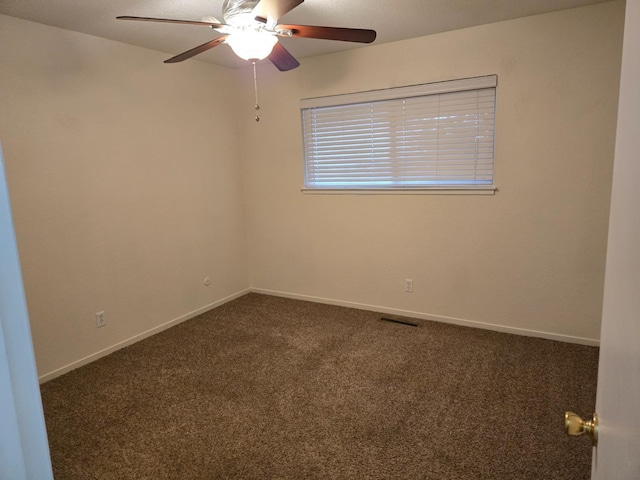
(251, 44)
(251, 29)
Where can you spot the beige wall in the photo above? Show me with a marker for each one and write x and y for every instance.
(125, 184)
(531, 257)
(127, 188)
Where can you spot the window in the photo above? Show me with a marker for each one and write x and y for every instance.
(435, 136)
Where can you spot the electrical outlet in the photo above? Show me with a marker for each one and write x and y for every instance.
(408, 285)
(101, 319)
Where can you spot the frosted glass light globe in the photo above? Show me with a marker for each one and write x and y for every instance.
(251, 44)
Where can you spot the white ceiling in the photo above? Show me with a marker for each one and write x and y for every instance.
(392, 19)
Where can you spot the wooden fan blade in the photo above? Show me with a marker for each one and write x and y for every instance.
(331, 33)
(195, 51)
(282, 59)
(272, 10)
(169, 20)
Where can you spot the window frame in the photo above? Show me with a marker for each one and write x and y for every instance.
(402, 93)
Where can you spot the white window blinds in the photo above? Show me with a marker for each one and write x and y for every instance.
(437, 135)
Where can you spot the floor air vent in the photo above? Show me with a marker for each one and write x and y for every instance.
(403, 322)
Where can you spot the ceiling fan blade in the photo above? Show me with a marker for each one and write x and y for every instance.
(169, 20)
(273, 10)
(331, 33)
(282, 59)
(195, 51)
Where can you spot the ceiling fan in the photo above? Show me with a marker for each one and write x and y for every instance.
(251, 29)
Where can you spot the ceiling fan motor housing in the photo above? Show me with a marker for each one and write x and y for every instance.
(238, 12)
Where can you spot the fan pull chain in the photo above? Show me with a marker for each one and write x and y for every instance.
(255, 89)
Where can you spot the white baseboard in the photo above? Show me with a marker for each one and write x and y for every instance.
(437, 318)
(360, 306)
(136, 338)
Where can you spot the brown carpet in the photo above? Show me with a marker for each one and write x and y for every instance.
(272, 388)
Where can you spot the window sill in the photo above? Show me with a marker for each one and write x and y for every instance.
(485, 190)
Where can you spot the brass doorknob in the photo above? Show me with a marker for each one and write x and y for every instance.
(574, 425)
